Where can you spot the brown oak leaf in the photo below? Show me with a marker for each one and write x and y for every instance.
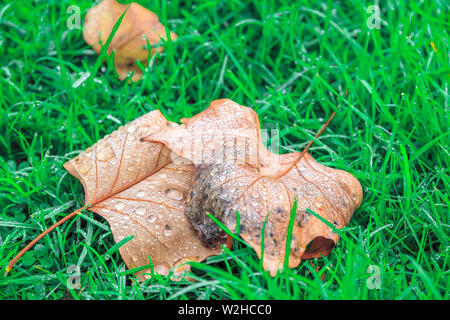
(234, 172)
(140, 190)
(138, 26)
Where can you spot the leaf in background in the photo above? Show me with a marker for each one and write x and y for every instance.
(138, 26)
(235, 172)
(140, 191)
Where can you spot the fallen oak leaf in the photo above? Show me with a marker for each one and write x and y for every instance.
(217, 119)
(129, 43)
(254, 182)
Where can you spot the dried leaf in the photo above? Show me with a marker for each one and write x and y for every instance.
(235, 172)
(140, 191)
(138, 26)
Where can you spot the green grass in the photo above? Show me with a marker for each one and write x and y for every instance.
(294, 62)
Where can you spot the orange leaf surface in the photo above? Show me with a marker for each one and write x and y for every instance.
(235, 172)
(140, 191)
(138, 26)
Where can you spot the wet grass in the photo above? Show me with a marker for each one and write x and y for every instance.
(294, 62)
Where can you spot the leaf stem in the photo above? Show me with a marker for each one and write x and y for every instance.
(309, 144)
(318, 134)
(39, 237)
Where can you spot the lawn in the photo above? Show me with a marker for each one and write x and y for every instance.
(294, 63)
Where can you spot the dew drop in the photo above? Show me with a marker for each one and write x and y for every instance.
(174, 194)
(120, 205)
(131, 129)
(85, 168)
(161, 269)
(140, 194)
(151, 218)
(140, 210)
(105, 153)
(167, 230)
